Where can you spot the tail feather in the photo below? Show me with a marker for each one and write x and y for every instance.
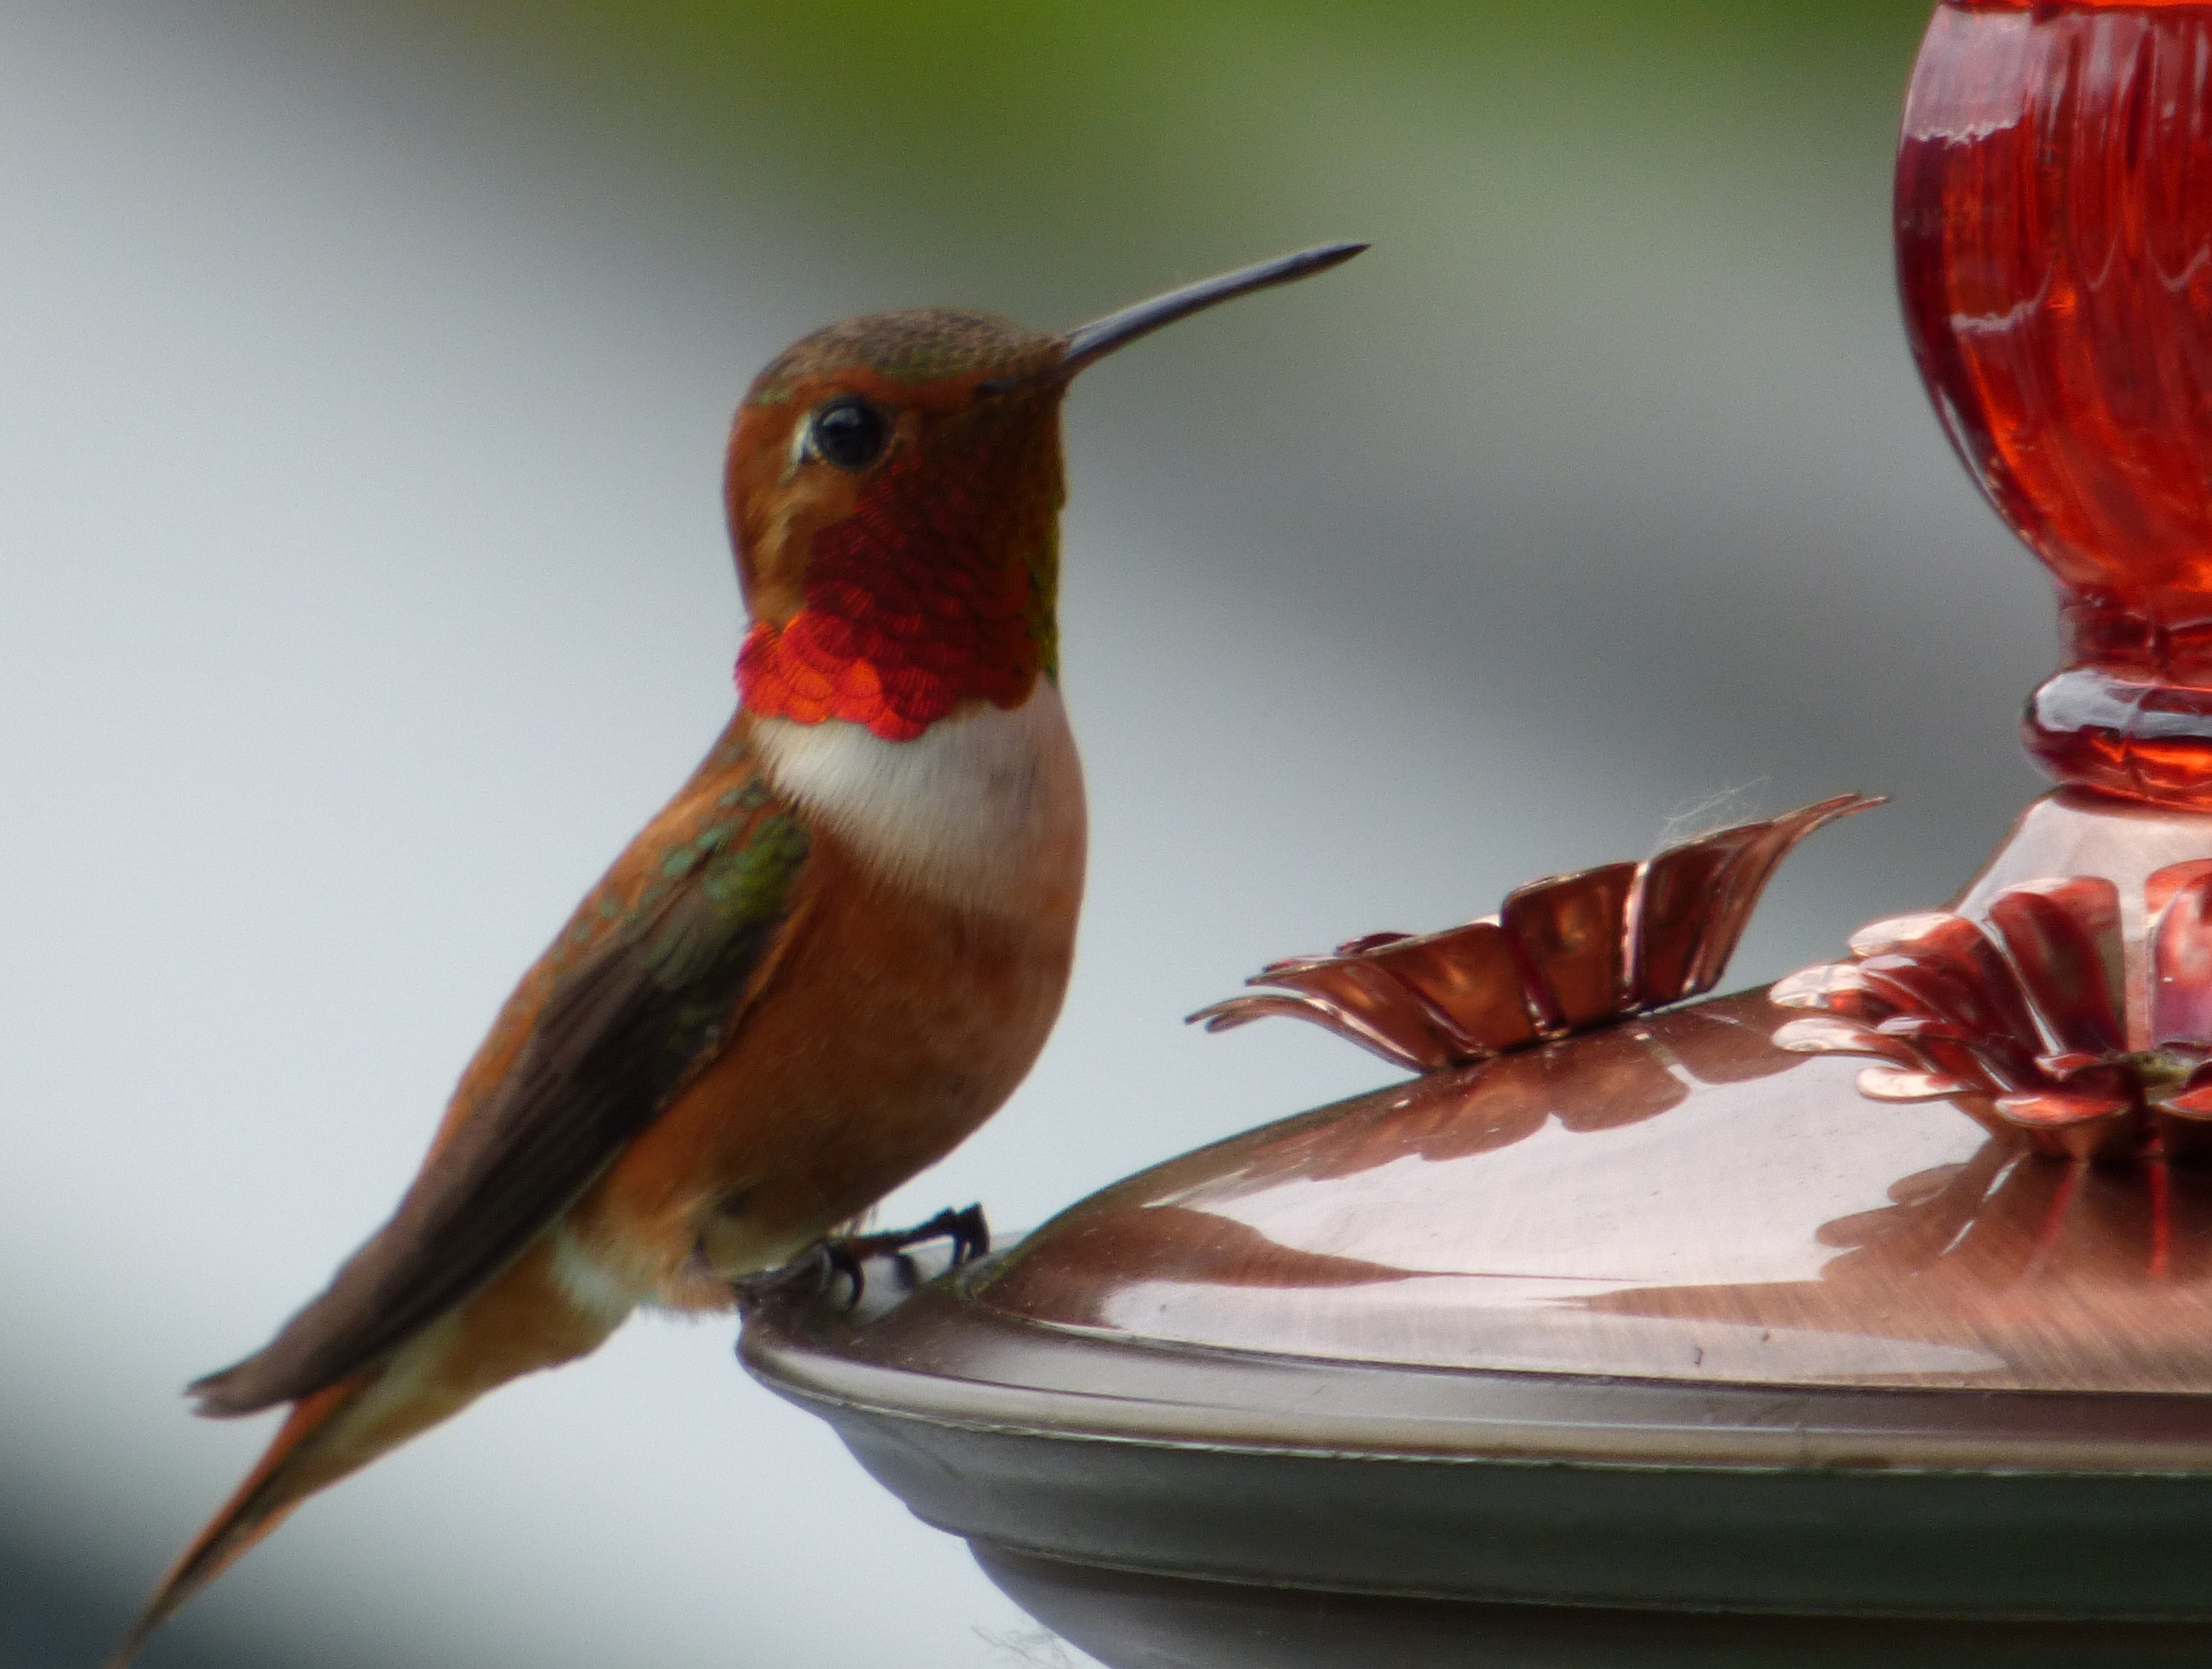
(302, 1459)
(527, 1319)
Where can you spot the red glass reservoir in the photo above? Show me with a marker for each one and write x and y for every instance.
(2054, 216)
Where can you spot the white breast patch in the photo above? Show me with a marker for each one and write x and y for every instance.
(978, 809)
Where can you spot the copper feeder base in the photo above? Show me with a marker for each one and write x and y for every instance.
(1659, 1344)
(1180, 1509)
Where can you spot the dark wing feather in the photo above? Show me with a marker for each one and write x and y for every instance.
(619, 1036)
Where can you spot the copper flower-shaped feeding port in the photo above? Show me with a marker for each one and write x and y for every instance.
(2025, 1021)
(1562, 954)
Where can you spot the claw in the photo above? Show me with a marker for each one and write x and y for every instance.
(975, 1236)
(843, 1261)
(967, 1230)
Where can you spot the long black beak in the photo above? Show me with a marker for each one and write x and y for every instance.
(1101, 337)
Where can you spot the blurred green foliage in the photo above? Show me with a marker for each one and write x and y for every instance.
(1062, 129)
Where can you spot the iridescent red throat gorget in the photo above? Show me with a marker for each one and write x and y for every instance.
(914, 603)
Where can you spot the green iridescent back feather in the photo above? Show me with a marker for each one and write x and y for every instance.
(635, 998)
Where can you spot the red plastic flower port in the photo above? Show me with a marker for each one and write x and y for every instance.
(1562, 954)
(2025, 1021)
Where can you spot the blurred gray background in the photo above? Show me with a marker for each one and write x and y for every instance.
(363, 376)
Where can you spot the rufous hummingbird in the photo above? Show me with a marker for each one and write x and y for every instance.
(830, 957)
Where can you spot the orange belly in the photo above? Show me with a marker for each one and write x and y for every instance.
(891, 1026)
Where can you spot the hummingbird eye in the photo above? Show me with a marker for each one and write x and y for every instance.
(849, 432)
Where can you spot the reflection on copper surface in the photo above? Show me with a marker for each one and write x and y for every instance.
(1611, 1077)
(1171, 1243)
(1677, 1197)
(1562, 954)
(2023, 1018)
(2048, 1266)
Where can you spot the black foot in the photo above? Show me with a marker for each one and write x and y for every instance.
(968, 1231)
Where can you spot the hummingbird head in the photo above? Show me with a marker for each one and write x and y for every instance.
(894, 488)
